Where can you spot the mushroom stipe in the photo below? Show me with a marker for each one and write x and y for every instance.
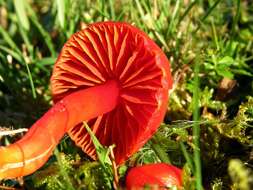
(111, 75)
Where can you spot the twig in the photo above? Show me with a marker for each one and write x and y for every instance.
(114, 168)
(12, 132)
(8, 188)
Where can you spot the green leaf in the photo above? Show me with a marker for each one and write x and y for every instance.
(242, 72)
(103, 156)
(227, 60)
(223, 71)
(209, 66)
(22, 13)
(46, 61)
(102, 153)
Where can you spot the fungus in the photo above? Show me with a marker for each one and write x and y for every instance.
(157, 176)
(111, 75)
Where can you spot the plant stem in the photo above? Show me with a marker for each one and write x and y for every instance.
(196, 128)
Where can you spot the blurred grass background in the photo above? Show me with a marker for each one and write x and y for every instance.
(208, 126)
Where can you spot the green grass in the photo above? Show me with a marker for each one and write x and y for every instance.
(209, 125)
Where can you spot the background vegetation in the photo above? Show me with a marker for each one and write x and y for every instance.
(208, 127)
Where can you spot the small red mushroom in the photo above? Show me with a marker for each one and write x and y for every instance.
(111, 75)
(156, 176)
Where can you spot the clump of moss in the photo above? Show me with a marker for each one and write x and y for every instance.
(50, 178)
(82, 175)
(240, 128)
(240, 175)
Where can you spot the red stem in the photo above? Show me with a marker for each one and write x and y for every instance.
(33, 150)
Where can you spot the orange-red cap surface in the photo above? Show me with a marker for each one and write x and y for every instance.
(157, 176)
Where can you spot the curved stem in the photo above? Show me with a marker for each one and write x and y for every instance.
(33, 150)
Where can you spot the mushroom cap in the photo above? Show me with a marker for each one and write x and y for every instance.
(160, 174)
(115, 51)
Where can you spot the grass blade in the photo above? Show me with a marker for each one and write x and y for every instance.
(112, 11)
(208, 12)
(20, 58)
(12, 53)
(43, 32)
(235, 22)
(140, 9)
(21, 13)
(26, 40)
(174, 17)
(187, 11)
(61, 12)
(7, 38)
(161, 154)
(102, 153)
(30, 79)
(187, 156)
(46, 61)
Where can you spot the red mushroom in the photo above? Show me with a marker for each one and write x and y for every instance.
(157, 176)
(111, 75)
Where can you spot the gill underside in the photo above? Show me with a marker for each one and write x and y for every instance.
(105, 52)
